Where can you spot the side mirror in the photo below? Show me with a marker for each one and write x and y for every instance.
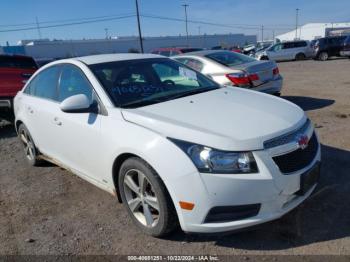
(78, 104)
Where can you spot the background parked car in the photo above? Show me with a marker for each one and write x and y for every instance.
(328, 46)
(229, 68)
(346, 47)
(15, 70)
(292, 50)
(170, 51)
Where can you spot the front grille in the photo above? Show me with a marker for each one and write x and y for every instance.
(286, 138)
(297, 159)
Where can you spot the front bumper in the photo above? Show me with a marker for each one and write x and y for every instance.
(275, 192)
(5, 103)
(345, 53)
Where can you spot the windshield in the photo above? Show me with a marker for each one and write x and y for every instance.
(230, 58)
(136, 83)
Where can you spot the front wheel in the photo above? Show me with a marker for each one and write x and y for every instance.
(146, 199)
(323, 56)
(30, 150)
(300, 57)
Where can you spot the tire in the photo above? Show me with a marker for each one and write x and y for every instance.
(160, 218)
(264, 58)
(323, 56)
(277, 94)
(30, 150)
(300, 56)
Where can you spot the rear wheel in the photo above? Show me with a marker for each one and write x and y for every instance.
(300, 56)
(264, 58)
(323, 56)
(146, 199)
(30, 151)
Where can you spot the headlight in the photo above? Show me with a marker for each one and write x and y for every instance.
(209, 160)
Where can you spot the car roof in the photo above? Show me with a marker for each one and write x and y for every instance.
(106, 58)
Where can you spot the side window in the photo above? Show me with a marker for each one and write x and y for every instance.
(44, 85)
(288, 45)
(277, 47)
(73, 82)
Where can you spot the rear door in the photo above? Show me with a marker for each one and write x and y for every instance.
(40, 104)
(14, 72)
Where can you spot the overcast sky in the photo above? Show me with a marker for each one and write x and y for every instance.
(239, 16)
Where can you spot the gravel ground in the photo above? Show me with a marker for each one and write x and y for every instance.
(47, 210)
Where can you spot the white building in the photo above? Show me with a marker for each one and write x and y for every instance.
(72, 48)
(316, 30)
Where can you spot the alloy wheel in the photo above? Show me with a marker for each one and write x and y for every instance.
(29, 148)
(141, 198)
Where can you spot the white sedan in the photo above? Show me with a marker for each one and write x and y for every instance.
(171, 144)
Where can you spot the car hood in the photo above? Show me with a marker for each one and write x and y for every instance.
(227, 118)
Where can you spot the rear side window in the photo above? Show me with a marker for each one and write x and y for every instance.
(74, 82)
(44, 85)
(288, 45)
(301, 44)
(17, 62)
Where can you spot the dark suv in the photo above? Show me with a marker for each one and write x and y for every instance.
(328, 46)
(346, 48)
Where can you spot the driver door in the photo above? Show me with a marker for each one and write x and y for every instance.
(78, 142)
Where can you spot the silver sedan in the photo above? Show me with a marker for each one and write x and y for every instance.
(229, 68)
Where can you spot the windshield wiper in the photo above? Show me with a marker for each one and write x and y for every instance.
(191, 92)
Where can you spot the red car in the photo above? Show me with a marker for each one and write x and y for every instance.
(171, 51)
(15, 70)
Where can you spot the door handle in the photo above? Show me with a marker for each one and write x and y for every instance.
(57, 121)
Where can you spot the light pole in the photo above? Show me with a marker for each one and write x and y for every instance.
(185, 6)
(262, 33)
(296, 22)
(138, 25)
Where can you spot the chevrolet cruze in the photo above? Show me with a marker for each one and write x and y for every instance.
(174, 147)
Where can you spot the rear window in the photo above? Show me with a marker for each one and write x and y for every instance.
(187, 50)
(164, 53)
(230, 58)
(17, 62)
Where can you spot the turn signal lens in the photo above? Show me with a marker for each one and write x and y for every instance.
(186, 205)
(276, 71)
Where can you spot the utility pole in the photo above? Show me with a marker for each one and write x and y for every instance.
(38, 27)
(185, 6)
(106, 30)
(139, 26)
(199, 30)
(296, 22)
(273, 35)
(262, 33)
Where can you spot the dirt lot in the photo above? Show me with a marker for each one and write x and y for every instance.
(47, 210)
